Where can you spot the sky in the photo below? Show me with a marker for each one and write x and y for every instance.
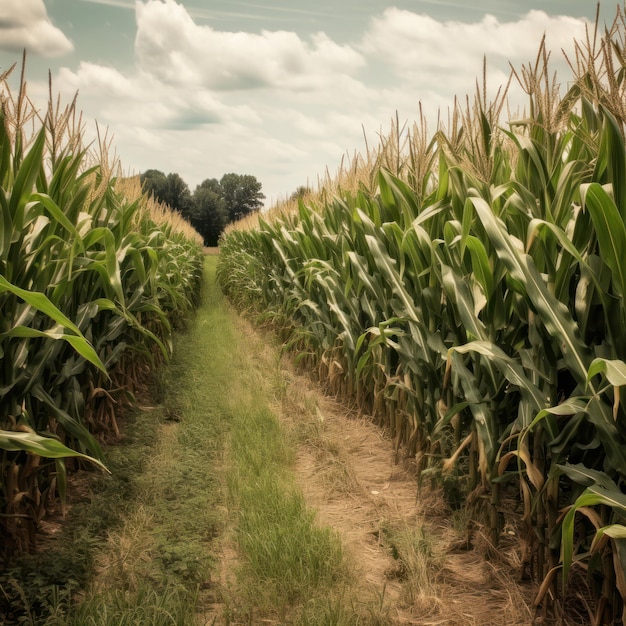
(282, 89)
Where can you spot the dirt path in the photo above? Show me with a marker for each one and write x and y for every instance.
(410, 560)
(403, 548)
(169, 538)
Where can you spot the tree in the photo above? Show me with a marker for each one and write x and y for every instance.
(154, 183)
(178, 195)
(219, 202)
(171, 190)
(209, 215)
(213, 204)
(242, 194)
(213, 184)
(300, 192)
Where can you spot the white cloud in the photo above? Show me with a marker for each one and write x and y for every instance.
(174, 49)
(447, 55)
(121, 4)
(24, 24)
(203, 102)
(97, 79)
(142, 100)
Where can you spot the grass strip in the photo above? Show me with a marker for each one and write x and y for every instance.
(285, 557)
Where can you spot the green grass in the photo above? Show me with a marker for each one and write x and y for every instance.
(146, 607)
(166, 545)
(285, 555)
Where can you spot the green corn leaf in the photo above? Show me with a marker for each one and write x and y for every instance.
(614, 370)
(510, 368)
(610, 231)
(483, 416)
(554, 314)
(6, 223)
(612, 155)
(450, 413)
(43, 304)
(615, 531)
(79, 343)
(458, 292)
(112, 265)
(40, 302)
(480, 265)
(58, 215)
(594, 495)
(46, 447)
(571, 406)
(599, 415)
(585, 476)
(25, 180)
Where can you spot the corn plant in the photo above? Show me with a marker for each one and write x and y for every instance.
(90, 285)
(470, 294)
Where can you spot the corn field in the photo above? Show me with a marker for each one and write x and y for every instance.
(92, 277)
(468, 289)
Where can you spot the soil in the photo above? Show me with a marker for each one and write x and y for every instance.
(348, 472)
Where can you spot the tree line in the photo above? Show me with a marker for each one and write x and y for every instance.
(214, 203)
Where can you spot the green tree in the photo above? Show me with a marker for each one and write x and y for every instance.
(213, 204)
(154, 183)
(242, 194)
(209, 215)
(171, 190)
(300, 192)
(179, 196)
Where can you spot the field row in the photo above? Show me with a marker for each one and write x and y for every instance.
(92, 278)
(469, 290)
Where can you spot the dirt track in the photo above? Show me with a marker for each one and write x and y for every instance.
(346, 469)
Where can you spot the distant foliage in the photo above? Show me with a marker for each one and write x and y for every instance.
(210, 214)
(242, 195)
(171, 190)
(214, 204)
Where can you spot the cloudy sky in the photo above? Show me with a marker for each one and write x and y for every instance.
(279, 89)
